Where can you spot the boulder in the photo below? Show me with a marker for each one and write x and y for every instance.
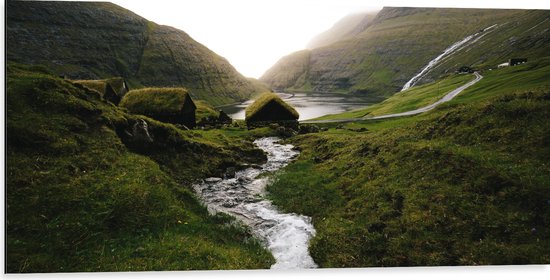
(139, 136)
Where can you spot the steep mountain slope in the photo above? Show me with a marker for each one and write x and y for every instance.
(96, 40)
(526, 35)
(346, 28)
(399, 42)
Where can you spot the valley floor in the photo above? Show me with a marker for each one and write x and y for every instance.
(466, 183)
(449, 96)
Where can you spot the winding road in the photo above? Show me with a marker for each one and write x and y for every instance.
(445, 98)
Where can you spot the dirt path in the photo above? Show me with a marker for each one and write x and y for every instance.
(445, 98)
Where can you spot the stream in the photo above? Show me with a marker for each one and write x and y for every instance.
(285, 235)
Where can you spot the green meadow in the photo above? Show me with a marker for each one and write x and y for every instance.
(96, 187)
(465, 184)
(80, 199)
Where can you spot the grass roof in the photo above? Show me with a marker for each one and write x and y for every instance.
(265, 99)
(204, 109)
(156, 100)
(97, 85)
(117, 84)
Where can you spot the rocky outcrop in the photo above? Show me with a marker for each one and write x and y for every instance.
(139, 137)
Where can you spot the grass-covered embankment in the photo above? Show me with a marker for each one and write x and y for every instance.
(81, 196)
(411, 99)
(467, 183)
(524, 77)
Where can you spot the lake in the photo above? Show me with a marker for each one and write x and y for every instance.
(308, 105)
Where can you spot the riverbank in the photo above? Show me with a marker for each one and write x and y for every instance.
(85, 193)
(460, 185)
(242, 195)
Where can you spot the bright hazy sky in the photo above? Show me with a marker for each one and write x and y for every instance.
(254, 34)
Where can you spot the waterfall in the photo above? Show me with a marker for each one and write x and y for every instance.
(448, 51)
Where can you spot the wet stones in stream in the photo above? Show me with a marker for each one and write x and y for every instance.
(286, 235)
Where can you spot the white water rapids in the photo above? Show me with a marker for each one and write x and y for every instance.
(448, 51)
(285, 235)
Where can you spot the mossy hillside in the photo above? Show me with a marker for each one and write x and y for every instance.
(264, 100)
(346, 28)
(531, 75)
(78, 199)
(411, 99)
(290, 70)
(464, 184)
(101, 40)
(259, 87)
(178, 60)
(524, 35)
(31, 27)
(157, 101)
(401, 41)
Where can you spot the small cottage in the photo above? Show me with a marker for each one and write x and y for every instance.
(513, 62)
(270, 108)
(207, 115)
(516, 61)
(111, 90)
(465, 69)
(172, 105)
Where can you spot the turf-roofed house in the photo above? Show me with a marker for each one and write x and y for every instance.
(172, 105)
(110, 89)
(270, 108)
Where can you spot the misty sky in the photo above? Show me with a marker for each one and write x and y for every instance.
(254, 34)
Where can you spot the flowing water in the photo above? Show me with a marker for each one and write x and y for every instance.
(468, 40)
(285, 235)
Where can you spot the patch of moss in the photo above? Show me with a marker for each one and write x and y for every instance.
(79, 198)
(156, 100)
(464, 184)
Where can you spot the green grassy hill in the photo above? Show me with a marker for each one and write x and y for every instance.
(525, 35)
(83, 194)
(464, 184)
(93, 40)
(521, 77)
(399, 42)
(411, 99)
(346, 28)
(91, 187)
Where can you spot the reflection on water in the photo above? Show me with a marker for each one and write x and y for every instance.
(309, 105)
